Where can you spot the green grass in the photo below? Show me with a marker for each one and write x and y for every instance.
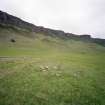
(75, 73)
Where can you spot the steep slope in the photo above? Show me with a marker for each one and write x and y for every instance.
(40, 66)
(22, 38)
(9, 21)
(15, 43)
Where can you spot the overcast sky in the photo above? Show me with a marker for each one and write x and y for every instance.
(74, 16)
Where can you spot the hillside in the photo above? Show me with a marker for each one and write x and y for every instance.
(9, 21)
(41, 66)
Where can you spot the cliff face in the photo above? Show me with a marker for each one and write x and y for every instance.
(12, 21)
(9, 20)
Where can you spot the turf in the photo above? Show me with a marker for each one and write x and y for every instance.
(50, 71)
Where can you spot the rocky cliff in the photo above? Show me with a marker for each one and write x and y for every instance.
(7, 20)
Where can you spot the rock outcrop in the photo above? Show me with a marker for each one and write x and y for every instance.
(12, 21)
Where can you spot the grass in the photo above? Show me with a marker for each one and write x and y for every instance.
(51, 71)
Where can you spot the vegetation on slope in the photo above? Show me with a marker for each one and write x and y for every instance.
(43, 70)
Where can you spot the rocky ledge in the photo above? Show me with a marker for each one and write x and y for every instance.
(12, 21)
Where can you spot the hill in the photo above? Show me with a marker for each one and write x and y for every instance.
(7, 20)
(41, 66)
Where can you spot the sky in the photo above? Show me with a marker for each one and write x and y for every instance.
(73, 16)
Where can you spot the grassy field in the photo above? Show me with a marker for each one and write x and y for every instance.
(50, 71)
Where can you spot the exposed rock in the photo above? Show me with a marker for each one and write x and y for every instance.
(13, 40)
(85, 36)
(7, 20)
(44, 67)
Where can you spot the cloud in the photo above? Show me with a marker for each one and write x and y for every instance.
(76, 16)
